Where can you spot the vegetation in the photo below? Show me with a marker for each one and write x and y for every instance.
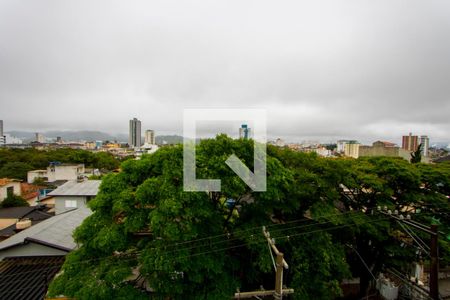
(15, 169)
(194, 245)
(15, 163)
(13, 201)
(416, 156)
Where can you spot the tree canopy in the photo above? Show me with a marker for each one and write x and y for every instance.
(15, 163)
(147, 232)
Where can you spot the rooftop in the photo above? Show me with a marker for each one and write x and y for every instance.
(55, 232)
(22, 212)
(5, 181)
(75, 188)
(39, 270)
(386, 144)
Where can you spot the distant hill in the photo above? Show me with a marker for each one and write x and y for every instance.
(88, 135)
(169, 139)
(85, 135)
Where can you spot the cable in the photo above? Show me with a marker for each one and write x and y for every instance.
(360, 257)
(245, 244)
(168, 252)
(216, 250)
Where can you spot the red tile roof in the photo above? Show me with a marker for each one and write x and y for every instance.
(5, 181)
(29, 191)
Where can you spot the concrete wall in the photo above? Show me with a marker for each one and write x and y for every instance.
(30, 249)
(32, 175)
(4, 190)
(378, 151)
(64, 172)
(61, 204)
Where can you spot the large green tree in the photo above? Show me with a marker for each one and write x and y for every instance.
(198, 245)
(323, 214)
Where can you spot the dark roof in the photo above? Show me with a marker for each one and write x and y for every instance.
(31, 212)
(15, 212)
(11, 230)
(28, 277)
(36, 216)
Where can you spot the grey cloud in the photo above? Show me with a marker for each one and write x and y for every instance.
(369, 69)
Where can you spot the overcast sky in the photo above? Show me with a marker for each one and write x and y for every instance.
(322, 69)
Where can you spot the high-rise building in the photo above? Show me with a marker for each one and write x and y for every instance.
(425, 142)
(244, 132)
(40, 138)
(150, 137)
(134, 139)
(351, 149)
(2, 137)
(340, 145)
(410, 142)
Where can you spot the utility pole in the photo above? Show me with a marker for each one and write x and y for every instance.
(434, 250)
(278, 295)
(434, 268)
(279, 266)
(280, 263)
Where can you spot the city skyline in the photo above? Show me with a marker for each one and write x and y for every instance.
(326, 72)
(220, 128)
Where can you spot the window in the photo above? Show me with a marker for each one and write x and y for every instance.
(71, 203)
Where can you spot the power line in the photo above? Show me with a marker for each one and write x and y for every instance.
(287, 237)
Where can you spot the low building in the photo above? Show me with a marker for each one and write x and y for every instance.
(90, 145)
(50, 237)
(74, 194)
(380, 148)
(57, 171)
(39, 252)
(9, 186)
(15, 219)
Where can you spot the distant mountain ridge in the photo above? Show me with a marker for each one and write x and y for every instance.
(169, 139)
(90, 135)
(86, 135)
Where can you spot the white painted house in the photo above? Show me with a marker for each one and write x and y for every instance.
(9, 186)
(56, 172)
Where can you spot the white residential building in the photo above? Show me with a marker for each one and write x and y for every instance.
(40, 138)
(352, 149)
(425, 141)
(2, 137)
(56, 172)
(150, 137)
